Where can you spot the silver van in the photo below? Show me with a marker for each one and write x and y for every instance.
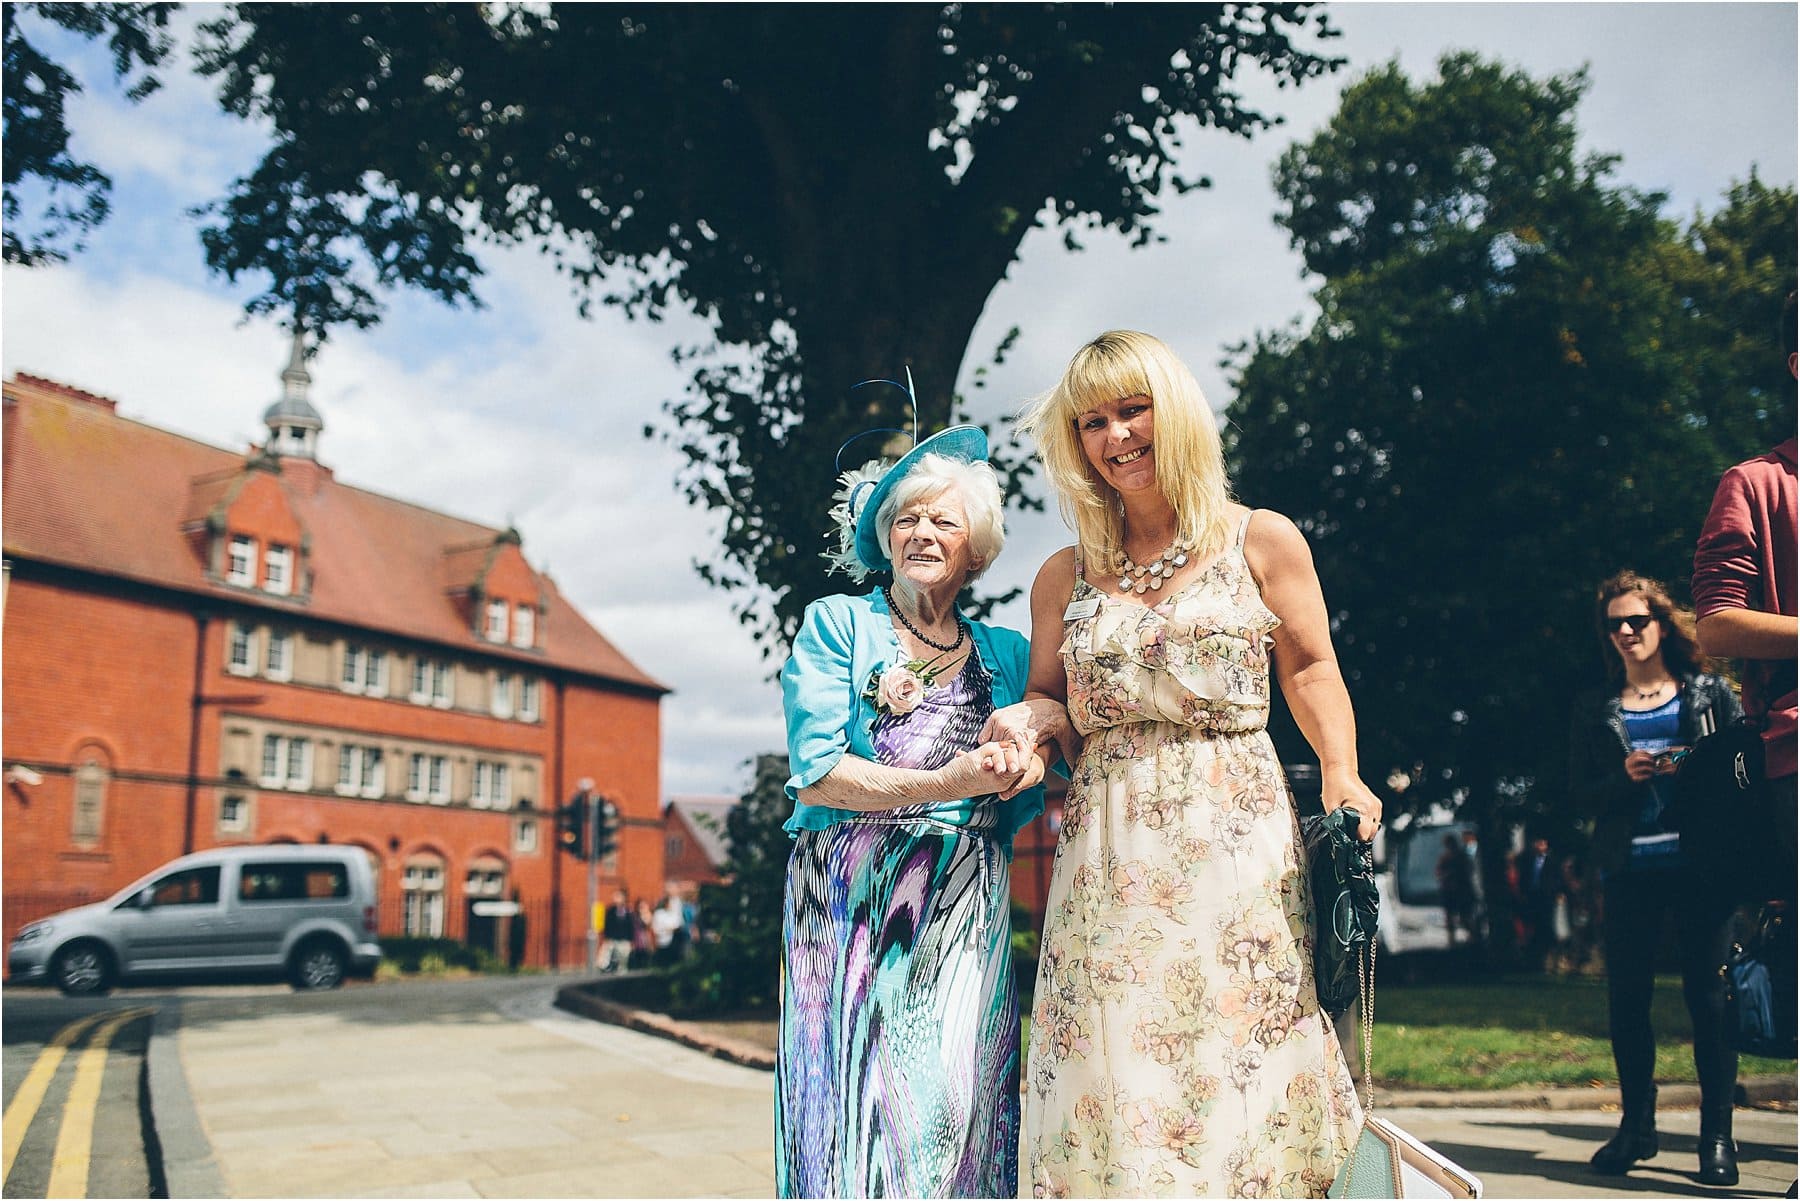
(306, 911)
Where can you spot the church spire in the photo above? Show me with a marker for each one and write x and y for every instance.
(294, 425)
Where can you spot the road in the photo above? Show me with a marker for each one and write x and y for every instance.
(72, 1073)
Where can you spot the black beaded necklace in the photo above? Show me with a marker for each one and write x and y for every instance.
(961, 628)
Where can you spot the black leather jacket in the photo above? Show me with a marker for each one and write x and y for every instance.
(1601, 790)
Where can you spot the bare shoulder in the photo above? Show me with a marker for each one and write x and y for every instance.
(1273, 543)
(1056, 577)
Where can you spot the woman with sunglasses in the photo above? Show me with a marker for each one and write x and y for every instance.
(1626, 743)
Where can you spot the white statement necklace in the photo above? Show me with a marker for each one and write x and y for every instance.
(1156, 573)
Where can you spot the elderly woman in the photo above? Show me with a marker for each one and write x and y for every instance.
(1177, 1043)
(898, 1069)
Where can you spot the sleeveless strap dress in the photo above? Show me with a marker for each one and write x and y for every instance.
(1177, 1045)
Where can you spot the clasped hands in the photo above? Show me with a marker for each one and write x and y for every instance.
(1006, 766)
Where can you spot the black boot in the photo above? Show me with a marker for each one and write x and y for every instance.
(1635, 1140)
(1718, 1159)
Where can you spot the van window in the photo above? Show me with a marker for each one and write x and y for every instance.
(293, 882)
(195, 886)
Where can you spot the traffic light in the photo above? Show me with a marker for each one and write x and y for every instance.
(606, 832)
(571, 827)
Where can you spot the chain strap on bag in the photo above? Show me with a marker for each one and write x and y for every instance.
(1386, 1161)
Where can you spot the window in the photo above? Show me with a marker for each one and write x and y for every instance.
(522, 625)
(279, 662)
(502, 701)
(360, 771)
(240, 650)
(673, 846)
(365, 671)
(278, 570)
(234, 814)
(496, 621)
(428, 779)
(375, 673)
(525, 836)
(240, 567)
(485, 880)
(195, 886)
(422, 894)
(263, 882)
(490, 791)
(528, 700)
(431, 683)
(286, 762)
(90, 802)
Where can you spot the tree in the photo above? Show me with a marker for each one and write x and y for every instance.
(737, 963)
(1522, 378)
(836, 188)
(73, 194)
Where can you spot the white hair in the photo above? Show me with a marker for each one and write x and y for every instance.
(975, 484)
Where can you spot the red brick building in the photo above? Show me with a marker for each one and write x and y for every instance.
(206, 647)
(694, 841)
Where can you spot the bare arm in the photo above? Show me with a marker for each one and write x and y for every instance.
(1043, 713)
(869, 787)
(1748, 634)
(1306, 666)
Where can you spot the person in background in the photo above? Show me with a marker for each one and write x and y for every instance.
(1623, 742)
(1456, 889)
(1747, 601)
(615, 933)
(667, 929)
(1539, 881)
(643, 934)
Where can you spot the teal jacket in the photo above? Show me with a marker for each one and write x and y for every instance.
(842, 641)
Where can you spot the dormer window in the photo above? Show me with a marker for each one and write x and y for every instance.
(241, 566)
(278, 570)
(522, 626)
(496, 621)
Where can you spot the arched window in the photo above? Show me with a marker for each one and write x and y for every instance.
(88, 817)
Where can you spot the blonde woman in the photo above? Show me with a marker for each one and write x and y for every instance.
(1177, 1044)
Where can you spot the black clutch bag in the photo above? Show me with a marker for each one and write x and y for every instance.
(1346, 906)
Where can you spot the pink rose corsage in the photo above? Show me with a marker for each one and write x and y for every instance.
(897, 690)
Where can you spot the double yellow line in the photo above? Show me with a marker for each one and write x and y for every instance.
(75, 1138)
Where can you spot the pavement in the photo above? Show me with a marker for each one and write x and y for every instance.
(530, 1100)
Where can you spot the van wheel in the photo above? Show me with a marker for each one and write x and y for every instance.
(317, 964)
(83, 969)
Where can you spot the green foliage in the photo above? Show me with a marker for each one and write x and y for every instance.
(434, 956)
(737, 965)
(835, 189)
(39, 170)
(1521, 379)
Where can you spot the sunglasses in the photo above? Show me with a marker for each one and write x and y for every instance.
(1637, 622)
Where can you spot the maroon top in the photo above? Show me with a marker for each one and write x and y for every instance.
(1745, 560)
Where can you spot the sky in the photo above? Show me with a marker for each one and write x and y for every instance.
(523, 413)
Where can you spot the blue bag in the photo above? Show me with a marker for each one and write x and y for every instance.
(1760, 989)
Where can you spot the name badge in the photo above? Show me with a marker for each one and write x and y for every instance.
(1080, 609)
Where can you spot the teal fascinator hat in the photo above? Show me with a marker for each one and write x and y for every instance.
(862, 490)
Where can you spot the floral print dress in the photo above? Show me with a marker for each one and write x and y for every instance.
(1177, 1045)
